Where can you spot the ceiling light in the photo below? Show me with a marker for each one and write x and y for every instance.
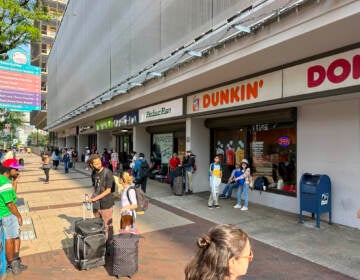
(243, 28)
(97, 102)
(195, 53)
(106, 97)
(135, 84)
(155, 74)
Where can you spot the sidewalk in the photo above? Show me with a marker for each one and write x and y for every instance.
(283, 248)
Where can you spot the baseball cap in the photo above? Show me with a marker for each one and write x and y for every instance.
(12, 163)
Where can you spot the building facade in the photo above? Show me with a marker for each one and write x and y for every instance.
(276, 82)
(39, 55)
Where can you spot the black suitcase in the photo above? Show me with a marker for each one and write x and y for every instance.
(89, 243)
(125, 254)
(21, 161)
(178, 185)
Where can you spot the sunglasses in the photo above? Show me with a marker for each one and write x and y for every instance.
(249, 257)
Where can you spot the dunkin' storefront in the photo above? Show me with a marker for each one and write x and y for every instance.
(305, 118)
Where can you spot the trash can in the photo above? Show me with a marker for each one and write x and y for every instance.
(315, 195)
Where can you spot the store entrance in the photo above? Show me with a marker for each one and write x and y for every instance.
(124, 144)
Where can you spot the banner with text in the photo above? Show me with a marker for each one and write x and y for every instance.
(333, 72)
(262, 88)
(20, 82)
(173, 108)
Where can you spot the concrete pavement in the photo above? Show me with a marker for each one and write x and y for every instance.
(283, 248)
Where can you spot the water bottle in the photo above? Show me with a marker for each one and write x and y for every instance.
(88, 204)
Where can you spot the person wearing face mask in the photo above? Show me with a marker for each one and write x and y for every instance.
(102, 197)
(10, 217)
(224, 254)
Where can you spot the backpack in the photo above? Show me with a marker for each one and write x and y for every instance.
(144, 170)
(260, 182)
(142, 200)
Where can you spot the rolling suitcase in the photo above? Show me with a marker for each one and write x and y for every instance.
(89, 242)
(178, 185)
(125, 254)
(21, 162)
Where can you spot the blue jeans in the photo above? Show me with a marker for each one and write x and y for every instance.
(243, 189)
(229, 189)
(66, 165)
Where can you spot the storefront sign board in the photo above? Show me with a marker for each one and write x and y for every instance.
(333, 72)
(127, 119)
(258, 89)
(103, 124)
(173, 108)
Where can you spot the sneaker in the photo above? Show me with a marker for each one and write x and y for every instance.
(237, 206)
(15, 267)
(210, 206)
(216, 206)
(222, 196)
(244, 208)
(228, 197)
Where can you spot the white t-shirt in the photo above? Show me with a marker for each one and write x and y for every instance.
(125, 201)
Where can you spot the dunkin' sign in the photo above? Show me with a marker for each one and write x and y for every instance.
(337, 71)
(245, 92)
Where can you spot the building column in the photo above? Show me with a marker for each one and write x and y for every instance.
(142, 141)
(198, 141)
(70, 141)
(82, 143)
(104, 140)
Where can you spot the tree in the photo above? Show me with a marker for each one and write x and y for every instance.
(17, 23)
(37, 139)
(15, 120)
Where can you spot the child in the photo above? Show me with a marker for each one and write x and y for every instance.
(215, 180)
(244, 184)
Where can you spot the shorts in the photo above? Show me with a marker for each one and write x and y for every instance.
(11, 227)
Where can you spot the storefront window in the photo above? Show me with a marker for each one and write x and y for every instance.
(270, 149)
(162, 148)
(230, 146)
(273, 156)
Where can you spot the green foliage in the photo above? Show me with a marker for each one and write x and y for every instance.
(37, 139)
(15, 119)
(17, 23)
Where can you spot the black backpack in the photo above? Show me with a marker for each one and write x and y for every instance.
(144, 170)
(260, 182)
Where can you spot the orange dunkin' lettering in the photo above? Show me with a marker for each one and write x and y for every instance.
(232, 95)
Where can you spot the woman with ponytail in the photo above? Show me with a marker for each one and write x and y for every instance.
(224, 254)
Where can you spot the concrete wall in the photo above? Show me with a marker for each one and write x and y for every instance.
(141, 141)
(104, 140)
(329, 143)
(107, 40)
(199, 143)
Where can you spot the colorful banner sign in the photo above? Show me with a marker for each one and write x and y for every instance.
(263, 88)
(20, 82)
(103, 124)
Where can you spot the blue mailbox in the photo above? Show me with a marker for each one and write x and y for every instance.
(315, 195)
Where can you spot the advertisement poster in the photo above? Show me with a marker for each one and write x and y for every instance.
(163, 146)
(20, 83)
